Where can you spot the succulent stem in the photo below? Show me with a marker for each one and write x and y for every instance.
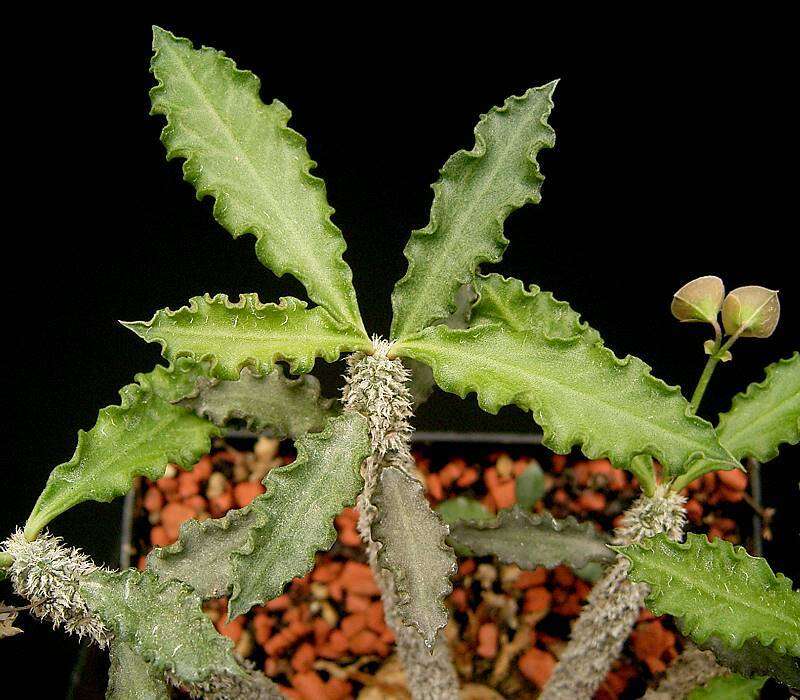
(377, 387)
(614, 603)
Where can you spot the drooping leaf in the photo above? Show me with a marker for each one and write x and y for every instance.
(766, 415)
(753, 659)
(299, 506)
(718, 590)
(242, 153)
(477, 190)
(541, 358)
(162, 622)
(269, 403)
(253, 552)
(529, 540)
(248, 332)
(413, 551)
(139, 437)
(130, 677)
(730, 687)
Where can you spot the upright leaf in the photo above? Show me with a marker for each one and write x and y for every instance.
(718, 590)
(242, 153)
(130, 677)
(253, 552)
(249, 333)
(730, 687)
(541, 358)
(477, 190)
(269, 403)
(161, 622)
(413, 550)
(766, 415)
(139, 437)
(530, 540)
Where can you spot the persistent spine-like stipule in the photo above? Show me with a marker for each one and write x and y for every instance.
(48, 574)
(614, 603)
(377, 387)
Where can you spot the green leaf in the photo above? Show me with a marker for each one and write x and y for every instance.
(201, 557)
(421, 384)
(752, 659)
(253, 552)
(413, 551)
(299, 506)
(462, 508)
(270, 403)
(718, 590)
(477, 190)
(249, 333)
(541, 358)
(766, 415)
(242, 153)
(731, 687)
(530, 485)
(161, 622)
(505, 300)
(139, 437)
(130, 677)
(530, 540)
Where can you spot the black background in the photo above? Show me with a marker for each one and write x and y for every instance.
(675, 157)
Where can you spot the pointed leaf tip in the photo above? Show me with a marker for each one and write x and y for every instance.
(243, 153)
(475, 193)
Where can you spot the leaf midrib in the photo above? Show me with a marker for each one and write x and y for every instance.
(272, 546)
(306, 337)
(749, 425)
(318, 271)
(737, 601)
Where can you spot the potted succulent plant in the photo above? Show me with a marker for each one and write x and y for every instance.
(264, 517)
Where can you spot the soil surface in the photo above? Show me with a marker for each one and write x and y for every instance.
(325, 637)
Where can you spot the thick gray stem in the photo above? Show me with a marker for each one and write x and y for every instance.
(614, 603)
(377, 387)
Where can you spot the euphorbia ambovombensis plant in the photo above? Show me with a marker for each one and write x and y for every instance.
(496, 337)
